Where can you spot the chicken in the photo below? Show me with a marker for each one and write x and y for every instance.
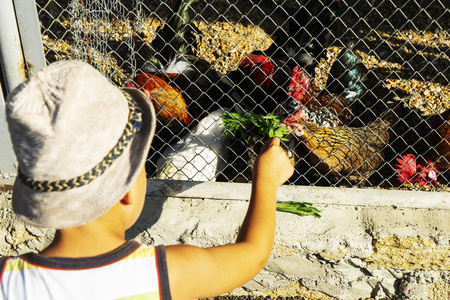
(272, 69)
(322, 108)
(352, 152)
(348, 75)
(200, 155)
(261, 67)
(261, 83)
(410, 171)
(166, 59)
(331, 106)
(182, 86)
(309, 34)
(439, 139)
(172, 57)
(168, 101)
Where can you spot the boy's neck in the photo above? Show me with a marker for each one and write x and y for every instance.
(84, 241)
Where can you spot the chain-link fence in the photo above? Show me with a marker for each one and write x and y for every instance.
(368, 82)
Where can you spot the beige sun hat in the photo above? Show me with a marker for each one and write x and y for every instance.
(80, 143)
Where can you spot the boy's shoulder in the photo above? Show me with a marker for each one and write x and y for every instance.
(139, 264)
(129, 250)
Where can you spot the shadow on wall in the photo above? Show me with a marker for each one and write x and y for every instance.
(149, 216)
(158, 191)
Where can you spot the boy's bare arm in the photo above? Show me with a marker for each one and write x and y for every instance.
(197, 272)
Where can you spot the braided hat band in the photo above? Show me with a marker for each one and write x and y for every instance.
(134, 125)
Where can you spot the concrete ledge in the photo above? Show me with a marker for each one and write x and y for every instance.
(322, 195)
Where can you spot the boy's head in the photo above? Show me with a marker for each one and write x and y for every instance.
(80, 143)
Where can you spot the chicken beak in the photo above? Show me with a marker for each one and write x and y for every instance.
(296, 129)
(300, 133)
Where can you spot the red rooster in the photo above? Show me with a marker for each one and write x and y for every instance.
(330, 106)
(410, 171)
(260, 83)
(321, 107)
(327, 108)
(168, 101)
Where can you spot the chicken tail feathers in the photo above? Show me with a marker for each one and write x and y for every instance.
(173, 40)
(181, 24)
(348, 75)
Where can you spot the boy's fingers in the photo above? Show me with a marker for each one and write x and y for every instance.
(274, 141)
(271, 142)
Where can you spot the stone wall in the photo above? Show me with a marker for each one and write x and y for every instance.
(369, 244)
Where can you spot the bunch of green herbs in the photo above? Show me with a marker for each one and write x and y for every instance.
(266, 126)
(256, 124)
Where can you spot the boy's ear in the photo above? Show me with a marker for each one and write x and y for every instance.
(126, 200)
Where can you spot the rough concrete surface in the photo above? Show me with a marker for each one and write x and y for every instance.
(367, 245)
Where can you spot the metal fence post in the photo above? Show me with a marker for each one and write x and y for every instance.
(21, 51)
(7, 158)
(30, 35)
(12, 65)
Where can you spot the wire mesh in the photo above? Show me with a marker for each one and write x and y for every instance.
(390, 134)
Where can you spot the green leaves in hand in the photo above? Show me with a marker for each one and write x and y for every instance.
(250, 123)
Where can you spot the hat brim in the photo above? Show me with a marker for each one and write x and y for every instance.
(81, 205)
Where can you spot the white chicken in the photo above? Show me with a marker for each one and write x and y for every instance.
(198, 156)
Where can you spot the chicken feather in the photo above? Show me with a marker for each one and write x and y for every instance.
(439, 139)
(168, 101)
(354, 152)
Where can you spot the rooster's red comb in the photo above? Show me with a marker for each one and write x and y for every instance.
(406, 168)
(298, 84)
(261, 67)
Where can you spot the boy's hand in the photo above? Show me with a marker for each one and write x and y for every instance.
(217, 270)
(273, 164)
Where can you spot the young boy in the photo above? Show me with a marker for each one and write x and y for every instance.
(81, 144)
